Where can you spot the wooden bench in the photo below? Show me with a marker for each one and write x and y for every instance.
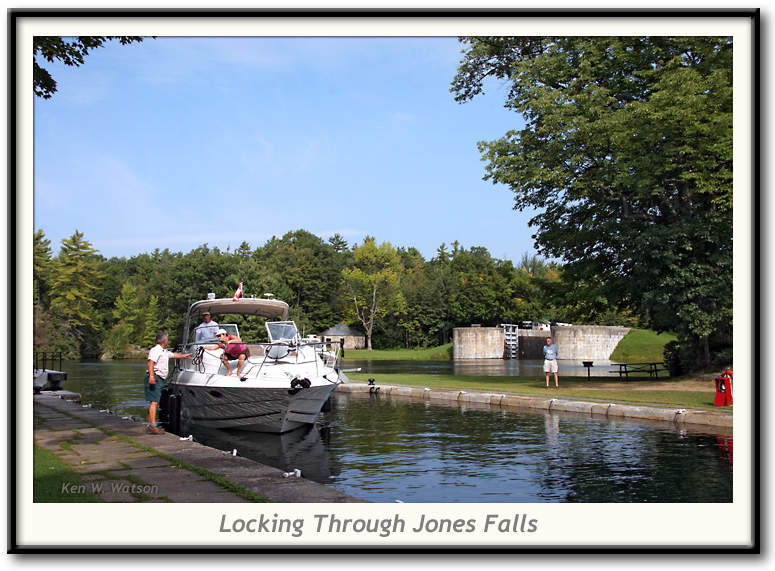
(652, 369)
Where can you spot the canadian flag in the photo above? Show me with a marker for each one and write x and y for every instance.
(238, 293)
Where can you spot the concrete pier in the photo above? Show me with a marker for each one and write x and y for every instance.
(118, 456)
(47, 379)
(696, 418)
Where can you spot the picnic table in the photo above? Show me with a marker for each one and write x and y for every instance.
(652, 369)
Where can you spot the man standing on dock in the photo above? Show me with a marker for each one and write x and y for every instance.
(550, 362)
(158, 366)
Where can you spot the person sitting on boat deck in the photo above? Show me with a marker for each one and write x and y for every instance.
(233, 348)
(207, 329)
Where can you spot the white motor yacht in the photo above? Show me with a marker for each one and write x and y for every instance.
(283, 384)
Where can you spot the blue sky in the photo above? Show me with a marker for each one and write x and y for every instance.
(176, 142)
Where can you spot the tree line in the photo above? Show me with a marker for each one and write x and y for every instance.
(85, 303)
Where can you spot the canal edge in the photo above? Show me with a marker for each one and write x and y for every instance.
(507, 401)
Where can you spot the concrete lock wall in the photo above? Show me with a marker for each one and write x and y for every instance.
(478, 342)
(350, 341)
(587, 341)
(574, 342)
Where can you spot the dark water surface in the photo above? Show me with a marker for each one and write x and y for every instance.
(387, 450)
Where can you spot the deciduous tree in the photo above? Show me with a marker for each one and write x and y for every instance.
(70, 51)
(372, 284)
(626, 154)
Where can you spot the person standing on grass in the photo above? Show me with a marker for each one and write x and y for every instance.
(158, 367)
(550, 362)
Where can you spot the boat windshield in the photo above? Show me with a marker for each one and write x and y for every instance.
(206, 334)
(282, 330)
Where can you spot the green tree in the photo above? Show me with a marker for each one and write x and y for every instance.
(70, 52)
(41, 267)
(41, 282)
(76, 274)
(311, 269)
(372, 284)
(128, 316)
(152, 322)
(626, 154)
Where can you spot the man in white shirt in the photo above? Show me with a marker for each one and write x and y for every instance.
(158, 367)
(206, 330)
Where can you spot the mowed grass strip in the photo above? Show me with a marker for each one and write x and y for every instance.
(642, 346)
(54, 480)
(570, 387)
(440, 353)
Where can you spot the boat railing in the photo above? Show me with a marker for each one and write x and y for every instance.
(325, 353)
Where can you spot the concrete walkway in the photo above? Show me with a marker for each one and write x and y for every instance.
(122, 470)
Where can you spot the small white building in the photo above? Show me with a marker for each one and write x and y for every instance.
(353, 339)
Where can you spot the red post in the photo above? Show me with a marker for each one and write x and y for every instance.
(723, 389)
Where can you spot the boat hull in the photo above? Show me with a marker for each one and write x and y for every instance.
(261, 409)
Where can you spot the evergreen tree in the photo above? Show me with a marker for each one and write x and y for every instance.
(152, 322)
(127, 312)
(74, 283)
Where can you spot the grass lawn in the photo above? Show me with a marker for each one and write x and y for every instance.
(642, 346)
(604, 389)
(440, 353)
(50, 474)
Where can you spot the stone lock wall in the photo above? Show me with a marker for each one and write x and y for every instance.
(478, 342)
(593, 342)
(587, 341)
(350, 341)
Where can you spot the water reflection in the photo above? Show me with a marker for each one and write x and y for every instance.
(303, 448)
(382, 449)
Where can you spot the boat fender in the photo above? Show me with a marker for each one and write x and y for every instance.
(297, 384)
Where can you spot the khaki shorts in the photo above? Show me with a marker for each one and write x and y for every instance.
(550, 365)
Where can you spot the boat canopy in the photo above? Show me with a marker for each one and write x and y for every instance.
(271, 308)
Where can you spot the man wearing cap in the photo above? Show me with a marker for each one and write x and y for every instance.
(158, 366)
(233, 348)
(206, 329)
